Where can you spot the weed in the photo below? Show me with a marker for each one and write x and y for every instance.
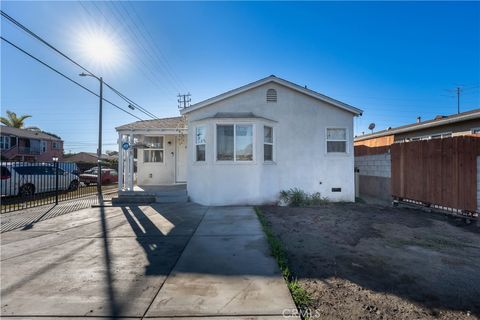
(296, 197)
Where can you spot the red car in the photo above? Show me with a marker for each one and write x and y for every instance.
(108, 176)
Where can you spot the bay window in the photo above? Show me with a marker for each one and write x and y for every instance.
(267, 143)
(4, 142)
(43, 146)
(336, 140)
(234, 142)
(200, 142)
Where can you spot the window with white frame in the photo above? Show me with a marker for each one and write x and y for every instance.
(336, 140)
(4, 142)
(200, 142)
(43, 146)
(234, 142)
(441, 135)
(154, 151)
(55, 145)
(267, 143)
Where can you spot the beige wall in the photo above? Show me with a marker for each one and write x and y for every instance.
(158, 173)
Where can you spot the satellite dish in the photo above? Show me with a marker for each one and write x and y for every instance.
(371, 126)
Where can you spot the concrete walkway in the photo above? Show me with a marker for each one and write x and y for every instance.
(24, 219)
(159, 261)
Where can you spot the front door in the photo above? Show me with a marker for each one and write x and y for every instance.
(181, 159)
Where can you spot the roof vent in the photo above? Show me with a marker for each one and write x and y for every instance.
(419, 119)
(271, 95)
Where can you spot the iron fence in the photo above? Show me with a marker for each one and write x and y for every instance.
(30, 184)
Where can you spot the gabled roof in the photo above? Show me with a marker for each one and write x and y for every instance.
(279, 81)
(25, 133)
(438, 121)
(165, 123)
(88, 157)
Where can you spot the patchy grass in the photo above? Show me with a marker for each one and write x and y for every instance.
(300, 296)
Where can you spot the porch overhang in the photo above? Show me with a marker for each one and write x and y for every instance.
(159, 131)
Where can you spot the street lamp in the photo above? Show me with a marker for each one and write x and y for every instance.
(99, 148)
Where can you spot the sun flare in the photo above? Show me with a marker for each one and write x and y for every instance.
(100, 48)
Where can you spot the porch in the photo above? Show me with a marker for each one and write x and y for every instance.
(176, 193)
(152, 157)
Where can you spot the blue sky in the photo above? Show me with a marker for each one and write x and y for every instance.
(396, 61)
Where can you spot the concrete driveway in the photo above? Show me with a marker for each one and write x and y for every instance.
(159, 261)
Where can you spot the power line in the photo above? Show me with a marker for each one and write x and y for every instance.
(131, 102)
(67, 77)
(153, 43)
(137, 38)
(146, 71)
(34, 35)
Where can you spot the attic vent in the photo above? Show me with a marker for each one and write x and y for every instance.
(271, 95)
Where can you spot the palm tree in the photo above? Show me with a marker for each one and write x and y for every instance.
(13, 120)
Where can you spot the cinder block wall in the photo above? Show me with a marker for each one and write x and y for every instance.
(375, 175)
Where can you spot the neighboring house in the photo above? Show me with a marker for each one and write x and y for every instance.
(373, 154)
(441, 127)
(87, 160)
(29, 145)
(248, 144)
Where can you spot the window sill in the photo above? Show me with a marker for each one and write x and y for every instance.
(337, 154)
(227, 162)
(270, 163)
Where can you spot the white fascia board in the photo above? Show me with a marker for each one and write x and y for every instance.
(279, 81)
(161, 131)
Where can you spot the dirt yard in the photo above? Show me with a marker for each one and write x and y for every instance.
(362, 261)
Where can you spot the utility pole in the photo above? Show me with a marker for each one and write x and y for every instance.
(99, 150)
(184, 101)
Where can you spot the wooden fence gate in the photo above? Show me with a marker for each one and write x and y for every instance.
(439, 172)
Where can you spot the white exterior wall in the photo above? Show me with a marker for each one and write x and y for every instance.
(299, 151)
(161, 173)
(378, 165)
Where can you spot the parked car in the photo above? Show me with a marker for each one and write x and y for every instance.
(26, 179)
(108, 176)
(69, 167)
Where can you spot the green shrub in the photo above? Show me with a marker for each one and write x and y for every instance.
(296, 197)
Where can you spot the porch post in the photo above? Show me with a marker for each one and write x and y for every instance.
(130, 164)
(120, 162)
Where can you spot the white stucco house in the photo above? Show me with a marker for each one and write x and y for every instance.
(246, 145)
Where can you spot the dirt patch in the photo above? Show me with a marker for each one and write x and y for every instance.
(362, 261)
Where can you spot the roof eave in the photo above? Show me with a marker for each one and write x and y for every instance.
(420, 126)
(291, 85)
(127, 130)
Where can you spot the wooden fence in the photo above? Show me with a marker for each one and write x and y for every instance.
(440, 172)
